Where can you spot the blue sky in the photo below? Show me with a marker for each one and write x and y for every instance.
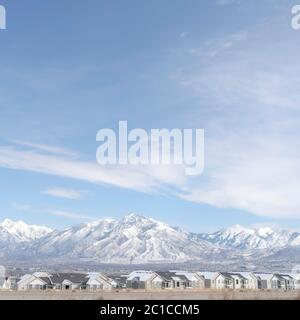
(229, 67)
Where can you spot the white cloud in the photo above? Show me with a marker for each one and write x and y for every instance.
(69, 215)
(46, 148)
(65, 193)
(55, 212)
(216, 47)
(257, 179)
(21, 207)
(144, 178)
(250, 100)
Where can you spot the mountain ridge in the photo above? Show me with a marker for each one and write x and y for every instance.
(135, 239)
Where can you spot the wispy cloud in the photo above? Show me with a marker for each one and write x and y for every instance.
(249, 99)
(139, 178)
(46, 148)
(65, 193)
(21, 207)
(54, 212)
(69, 215)
(218, 47)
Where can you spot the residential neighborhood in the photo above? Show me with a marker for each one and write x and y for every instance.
(152, 280)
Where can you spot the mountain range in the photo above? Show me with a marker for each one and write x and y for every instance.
(135, 239)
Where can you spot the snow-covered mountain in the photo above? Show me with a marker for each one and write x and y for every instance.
(133, 239)
(16, 237)
(137, 239)
(21, 232)
(252, 239)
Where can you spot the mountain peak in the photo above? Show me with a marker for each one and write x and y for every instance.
(237, 229)
(132, 239)
(20, 231)
(133, 217)
(243, 238)
(7, 222)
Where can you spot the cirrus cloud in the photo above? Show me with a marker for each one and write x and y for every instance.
(65, 193)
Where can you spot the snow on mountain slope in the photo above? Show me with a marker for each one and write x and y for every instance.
(133, 239)
(137, 239)
(252, 239)
(21, 232)
(75, 239)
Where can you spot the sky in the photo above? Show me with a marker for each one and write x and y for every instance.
(230, 67)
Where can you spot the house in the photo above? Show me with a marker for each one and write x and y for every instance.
(140, 279)
(33, 282)
(162, 280)
(296, 278)
(209, 278)
(264, 280)
(270, 281)
(288, 282)
(281, 281)
(180, 281)
(239, 281)
(252, 280)
(177, 279)
(69, 281)
(224, 280)
(98, 281)
(158, 282)
(194, 280)
(169, 280)
(118, 281)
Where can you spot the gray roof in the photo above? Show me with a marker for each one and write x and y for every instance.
(287, 276)
(182, 277)
(76, 278)
(165, 275)
(168, 276)
(279, 276)
(47, 280)
(238, 275)
(119, 279)
(226, 275)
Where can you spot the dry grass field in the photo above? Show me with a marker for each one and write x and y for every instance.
(152, 295)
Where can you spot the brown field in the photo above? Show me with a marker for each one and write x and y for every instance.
(152, 295)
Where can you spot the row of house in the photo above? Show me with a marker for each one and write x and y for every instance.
(251, 280)
(164, 280)
(151, 280)
(60, 281)
(212, 280)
